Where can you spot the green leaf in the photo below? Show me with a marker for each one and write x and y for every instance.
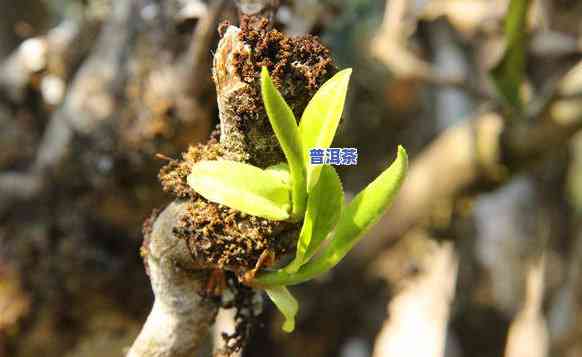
(281, 171)
(285, 127)
(356, 219)
(324, 205)
(508, 74)
(286, 303)
(244, 187)
(321, 118)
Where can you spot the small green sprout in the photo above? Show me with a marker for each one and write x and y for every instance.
(247, 188)
(286, 303)
(324, 206)
(297, 191)
(321, 118)
(285, 127)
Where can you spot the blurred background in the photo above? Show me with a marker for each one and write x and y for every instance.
(480, 256)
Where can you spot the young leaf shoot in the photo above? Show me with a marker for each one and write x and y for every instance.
(295, 191)
(356, 219)
(321, 118)
(508, 74)
(286, 303)
(281, 171)
(244, 187)
(324, 205)
(285, 127)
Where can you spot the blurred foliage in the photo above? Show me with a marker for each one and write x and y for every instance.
(508, 74)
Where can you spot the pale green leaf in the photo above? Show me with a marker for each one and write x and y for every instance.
(281, 171)
(286, 303)
(356, 219)
(285, 127)
(244, 187)
(324, 205)
(321, 118)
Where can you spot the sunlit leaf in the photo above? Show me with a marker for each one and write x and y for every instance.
(508, 73)
(280, 171)
(285, 127)
(244, 187)
(286, 303)
(356, 219)
(324, 205)
(321, 118)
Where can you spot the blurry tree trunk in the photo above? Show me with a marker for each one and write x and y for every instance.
(418, 315)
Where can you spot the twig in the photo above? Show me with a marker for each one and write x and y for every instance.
(197, 59)
(195, 97)
(528, 334)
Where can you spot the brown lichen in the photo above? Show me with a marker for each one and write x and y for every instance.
(295, 63)
(173, 175)
(229, 239)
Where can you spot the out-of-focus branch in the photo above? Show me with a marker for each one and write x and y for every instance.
(389, 46)
(421, 309)
(98, 88)
(562, 320)
(89, 96)
(195, 97)
(528, 335)
(45, 63)
(58, 52)
(449, 165)
(197, 60)
(482, 150)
